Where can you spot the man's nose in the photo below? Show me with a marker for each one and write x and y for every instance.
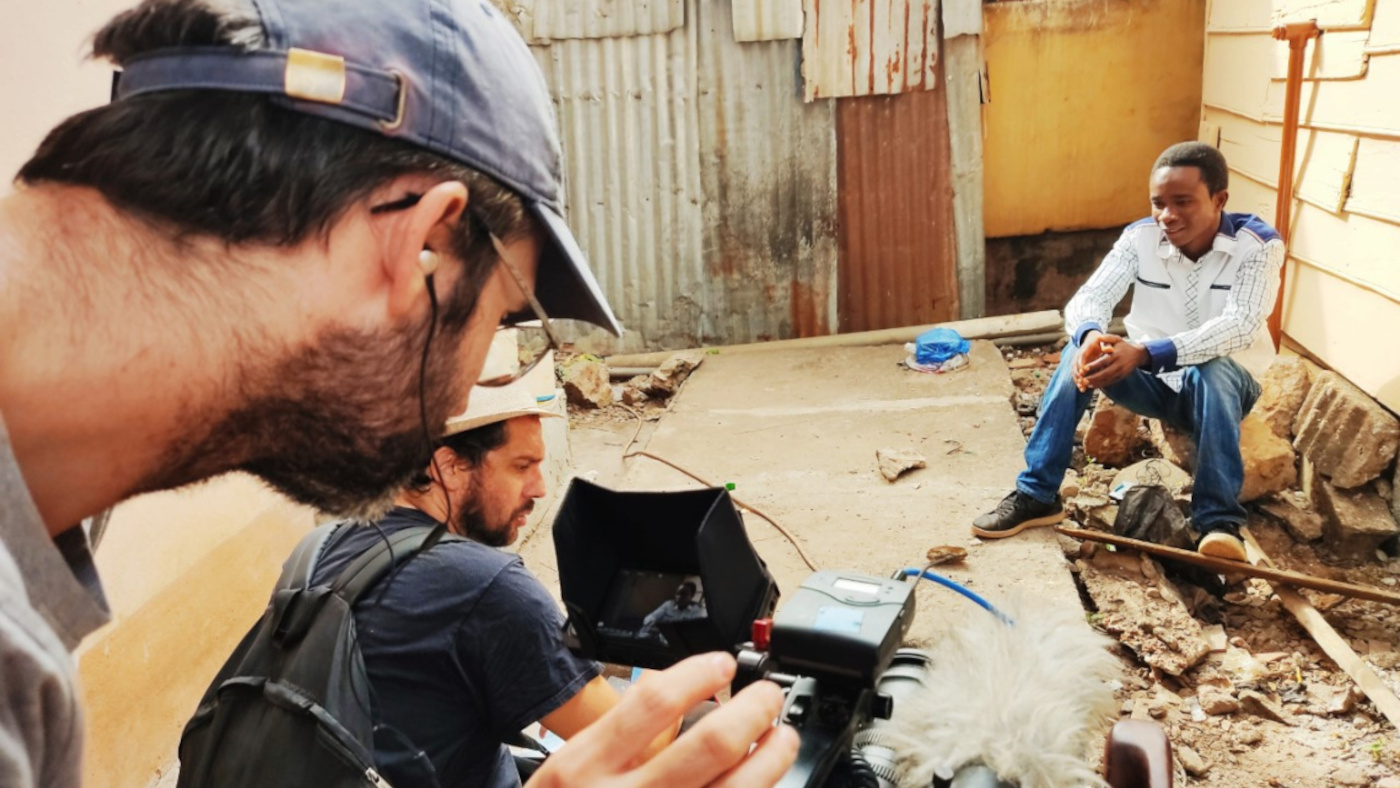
(535, 486)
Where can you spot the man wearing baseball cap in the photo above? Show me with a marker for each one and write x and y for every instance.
(284, 248)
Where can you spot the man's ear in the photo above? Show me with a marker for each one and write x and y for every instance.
(409, 257)
(443, 468)
(1220, 198)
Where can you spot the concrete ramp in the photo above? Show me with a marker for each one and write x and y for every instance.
(796, 431)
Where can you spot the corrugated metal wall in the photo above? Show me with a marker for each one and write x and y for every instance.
(701, 187)
(704, 189)
(898, 255)
(552, 20)
(768, 171)
(869, 47)
(627, 111)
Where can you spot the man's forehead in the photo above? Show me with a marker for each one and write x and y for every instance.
(523, 434)
(1176, 178)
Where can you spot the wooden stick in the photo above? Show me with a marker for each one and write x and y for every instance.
(1332, 643)
(977, 328)
(1225, 565)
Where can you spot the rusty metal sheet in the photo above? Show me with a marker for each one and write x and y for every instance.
(554, 20)
(626, 110)
(701, 187)
(869, 47)
(766, 20)
(769, 181)
(898, 257)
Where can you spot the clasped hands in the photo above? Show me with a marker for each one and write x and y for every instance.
(1105, 359)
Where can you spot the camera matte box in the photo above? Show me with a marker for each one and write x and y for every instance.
(605, 540)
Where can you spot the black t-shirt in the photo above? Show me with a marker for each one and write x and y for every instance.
(463, 649)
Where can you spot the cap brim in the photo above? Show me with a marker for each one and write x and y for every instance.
(564, 283)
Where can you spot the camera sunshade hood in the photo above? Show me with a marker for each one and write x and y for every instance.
(600, 533)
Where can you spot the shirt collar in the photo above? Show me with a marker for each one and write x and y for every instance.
(59, 575)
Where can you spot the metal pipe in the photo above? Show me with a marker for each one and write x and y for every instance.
(1297, 35)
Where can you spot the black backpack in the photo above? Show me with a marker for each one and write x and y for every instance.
(292, 706)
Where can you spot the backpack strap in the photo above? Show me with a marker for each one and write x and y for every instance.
(376, 562)
(302, 564)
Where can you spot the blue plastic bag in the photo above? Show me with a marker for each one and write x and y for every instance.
(938, 345)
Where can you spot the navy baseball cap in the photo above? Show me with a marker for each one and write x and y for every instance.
(451, 76)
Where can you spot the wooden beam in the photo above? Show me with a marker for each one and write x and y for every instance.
(979, 328)
(1327, 638)
(963, 65)
(1224, 565)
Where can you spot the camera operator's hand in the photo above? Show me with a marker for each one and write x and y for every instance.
(713, 754)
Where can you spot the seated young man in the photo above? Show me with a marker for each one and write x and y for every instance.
(1204, 282)
(463, 645)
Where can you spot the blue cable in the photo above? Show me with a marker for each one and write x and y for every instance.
(961, 589)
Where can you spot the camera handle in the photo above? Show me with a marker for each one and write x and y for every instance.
(826, 724)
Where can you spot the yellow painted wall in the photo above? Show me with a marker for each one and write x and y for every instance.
(1084, 95)
(187, 572)
(1342, 296)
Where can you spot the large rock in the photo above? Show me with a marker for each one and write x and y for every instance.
(1113, 437)
(1269, 463)
(666, 380)
(1302, 523)
(1349, 437)
(1395, 494)
(1175, 446)
(587, 384)
(1285, 385)
(1354, 522)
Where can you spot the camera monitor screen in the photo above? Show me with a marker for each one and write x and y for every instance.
(640, 602)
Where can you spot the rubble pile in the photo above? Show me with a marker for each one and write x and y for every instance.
(593, 395)
(1246, 695)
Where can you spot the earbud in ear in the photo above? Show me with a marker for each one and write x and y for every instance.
(428, 261)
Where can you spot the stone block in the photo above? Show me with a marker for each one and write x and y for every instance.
(895, 462)
(1113, 437)
(1300, 522)
(1269, 463)
(1216, 700)
(1395, 494)
(1285, 385)
(1354, 522)
(668, 377)
(1347, 435)
(1175, 446)
(587, 384)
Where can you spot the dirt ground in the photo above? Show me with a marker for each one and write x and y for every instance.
(796, 432)
(1327, 733)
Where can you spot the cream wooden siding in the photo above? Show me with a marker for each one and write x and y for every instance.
(1342, 297)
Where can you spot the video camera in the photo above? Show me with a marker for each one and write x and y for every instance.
(649, 578)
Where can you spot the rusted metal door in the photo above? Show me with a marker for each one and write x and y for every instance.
(898, 256)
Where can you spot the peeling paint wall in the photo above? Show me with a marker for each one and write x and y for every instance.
(700, 185)
(1083, 95)
(1342, 296)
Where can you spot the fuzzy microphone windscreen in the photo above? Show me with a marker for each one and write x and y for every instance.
(1032, 701)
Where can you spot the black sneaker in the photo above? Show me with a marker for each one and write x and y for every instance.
(1016, 513)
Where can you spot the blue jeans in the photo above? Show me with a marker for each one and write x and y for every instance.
(1214, 398)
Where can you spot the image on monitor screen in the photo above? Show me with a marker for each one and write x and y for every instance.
(640, 601)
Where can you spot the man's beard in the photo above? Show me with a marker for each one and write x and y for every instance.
(471, 523)
(337, 424)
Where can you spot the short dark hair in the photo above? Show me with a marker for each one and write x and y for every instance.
(1206, 158)
(237, 166)
(471, 445)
